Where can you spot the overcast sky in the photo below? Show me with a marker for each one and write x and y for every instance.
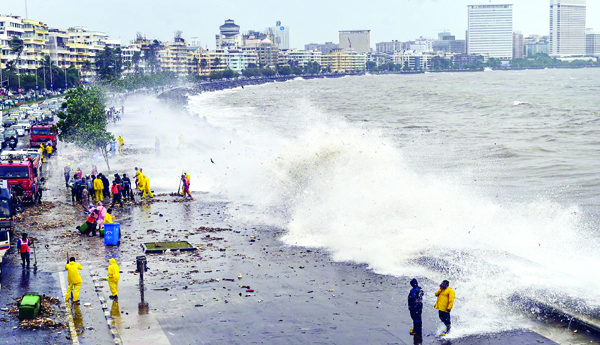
(309, 20)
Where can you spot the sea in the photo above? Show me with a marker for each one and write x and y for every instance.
(490, 180)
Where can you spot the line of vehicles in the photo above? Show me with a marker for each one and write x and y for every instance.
(21, 168)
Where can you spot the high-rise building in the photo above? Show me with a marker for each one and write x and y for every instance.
(356, 40)
(491, 31)
(592, 40)
(324, 48)
(228, 37)
(567, 27)
(518, 45)
(281, 35)
(389, 47)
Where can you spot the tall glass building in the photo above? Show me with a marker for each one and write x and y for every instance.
(567, 27)
(491, 31)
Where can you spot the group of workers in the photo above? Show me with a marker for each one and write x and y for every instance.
(97, 187)
(74, 279)
(444, 304)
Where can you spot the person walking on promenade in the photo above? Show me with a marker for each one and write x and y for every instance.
(67, 173)
(98, 189)
(185, 179)
(113, 278)
(445, 303)
(74, 280)
(23, 247)
(415, 307)
(49, 150)
(121, 143)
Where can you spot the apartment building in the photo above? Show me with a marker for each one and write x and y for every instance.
(10, 26)
(339, 61)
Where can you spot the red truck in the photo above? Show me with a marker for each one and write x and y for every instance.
(41, 134)
(23, 178)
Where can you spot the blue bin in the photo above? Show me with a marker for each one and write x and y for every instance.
(111, 234)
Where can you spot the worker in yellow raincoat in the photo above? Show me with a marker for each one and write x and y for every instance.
(49, 150)
(121, 143)
(98, 189)
(43, 152)
(113, 278)
(74, 280)
(444, 304)
(144, 184)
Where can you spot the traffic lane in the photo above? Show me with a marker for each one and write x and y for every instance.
(15, 282)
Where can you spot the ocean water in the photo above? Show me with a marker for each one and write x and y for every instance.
(490, 180)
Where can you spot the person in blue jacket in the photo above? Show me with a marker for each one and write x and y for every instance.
(415, 306)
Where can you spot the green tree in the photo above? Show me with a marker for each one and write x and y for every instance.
(371, 66)
(84, 122)
(109, 64)
(135, 59)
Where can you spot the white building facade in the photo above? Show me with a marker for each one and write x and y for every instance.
(239, 60)
(9, 26)
(567, 27)
(490, 31)
(592, 43)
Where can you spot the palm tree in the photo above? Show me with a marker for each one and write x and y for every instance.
(16, 46)
(216, 62)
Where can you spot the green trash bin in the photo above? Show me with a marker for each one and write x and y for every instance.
(30, 306)
(101, 231)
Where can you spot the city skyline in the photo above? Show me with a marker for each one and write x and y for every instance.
(123, 20)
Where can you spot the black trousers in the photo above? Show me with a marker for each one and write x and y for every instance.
(117, 198)
(445, 317)
(25, 257)
(415, 315)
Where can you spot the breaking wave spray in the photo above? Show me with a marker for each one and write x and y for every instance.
(347, 188)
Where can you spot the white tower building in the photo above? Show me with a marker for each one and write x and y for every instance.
(567, 27)
(491, 31)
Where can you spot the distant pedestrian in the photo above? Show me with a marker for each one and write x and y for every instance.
(74, 280)
(444, 304)
(113, 278)
(185, 179)
(23, 247)
(67, 173)
(415, 307)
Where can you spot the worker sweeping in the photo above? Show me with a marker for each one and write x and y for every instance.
(98, 188)
(144, 184)
(113, 278)
(74, 280)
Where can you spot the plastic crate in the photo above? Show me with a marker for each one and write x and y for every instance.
(111, 234)
(30, 306)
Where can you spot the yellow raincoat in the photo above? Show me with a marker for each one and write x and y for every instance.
(144, 184)
(445, 299)
(74, 280)
(113, 276)
(98, 189)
